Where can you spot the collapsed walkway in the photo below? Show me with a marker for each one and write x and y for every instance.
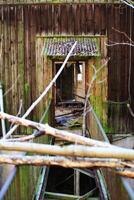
(66, 183)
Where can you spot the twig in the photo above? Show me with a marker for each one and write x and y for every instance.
(130, 43)
(101, 81)
(11, 88)
(119, 43)
(123, 33)
(128, 3)
(20, 108)
(44, 92)
(19, 112)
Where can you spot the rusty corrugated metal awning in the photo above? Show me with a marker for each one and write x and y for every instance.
(60, 46)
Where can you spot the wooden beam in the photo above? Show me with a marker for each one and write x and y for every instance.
(38, 2)
(68, 162)
(69, 150)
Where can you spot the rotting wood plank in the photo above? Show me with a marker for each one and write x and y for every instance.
(33, 84)
(27, 85)
(20, 27)
(77, 20)
(13, 61)
(82, 19)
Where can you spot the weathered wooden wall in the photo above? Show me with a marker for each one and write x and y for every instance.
(24, 183)
(20, 24)
(98, 92)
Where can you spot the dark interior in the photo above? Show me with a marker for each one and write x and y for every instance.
(61, 180)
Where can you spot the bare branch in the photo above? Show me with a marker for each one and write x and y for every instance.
(69, 150)
(19, 112)
(11, 88)
(113, 43)
(62, 161)
(48, 130)
(123, 33)
(119, 43)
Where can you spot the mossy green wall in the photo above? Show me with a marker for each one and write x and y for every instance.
(24, 183)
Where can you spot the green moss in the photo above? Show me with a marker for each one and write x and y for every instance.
(26, 88)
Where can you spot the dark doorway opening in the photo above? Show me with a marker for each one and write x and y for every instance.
(65, 83)
(71, 83)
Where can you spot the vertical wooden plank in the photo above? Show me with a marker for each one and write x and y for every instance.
(40, 70)
(5, 20)
(65, 19)
(123, 73)
(111, 65)
(90, 18)
(12, 64)
(1, 44)
(83, 19)
(50, 13)
(27, 56)
(32, 55)
(103, 19)
(71, 19)
(117, 51)
(97, 18)
(77, 20)
(44, 18)
(56, 19)
(20, 49)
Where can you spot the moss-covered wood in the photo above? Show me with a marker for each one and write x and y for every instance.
(25, 2)
(98, 92)
(24, 183)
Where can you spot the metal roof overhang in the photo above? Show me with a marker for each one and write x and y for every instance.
(60, 46)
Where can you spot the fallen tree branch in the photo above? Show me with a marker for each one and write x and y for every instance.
(44, 92)
(70, 150)
(45, 129)
(125, 172)
(62, 161)
(123, 167)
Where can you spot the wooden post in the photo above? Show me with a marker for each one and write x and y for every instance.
(2, 109)
(76, 182)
